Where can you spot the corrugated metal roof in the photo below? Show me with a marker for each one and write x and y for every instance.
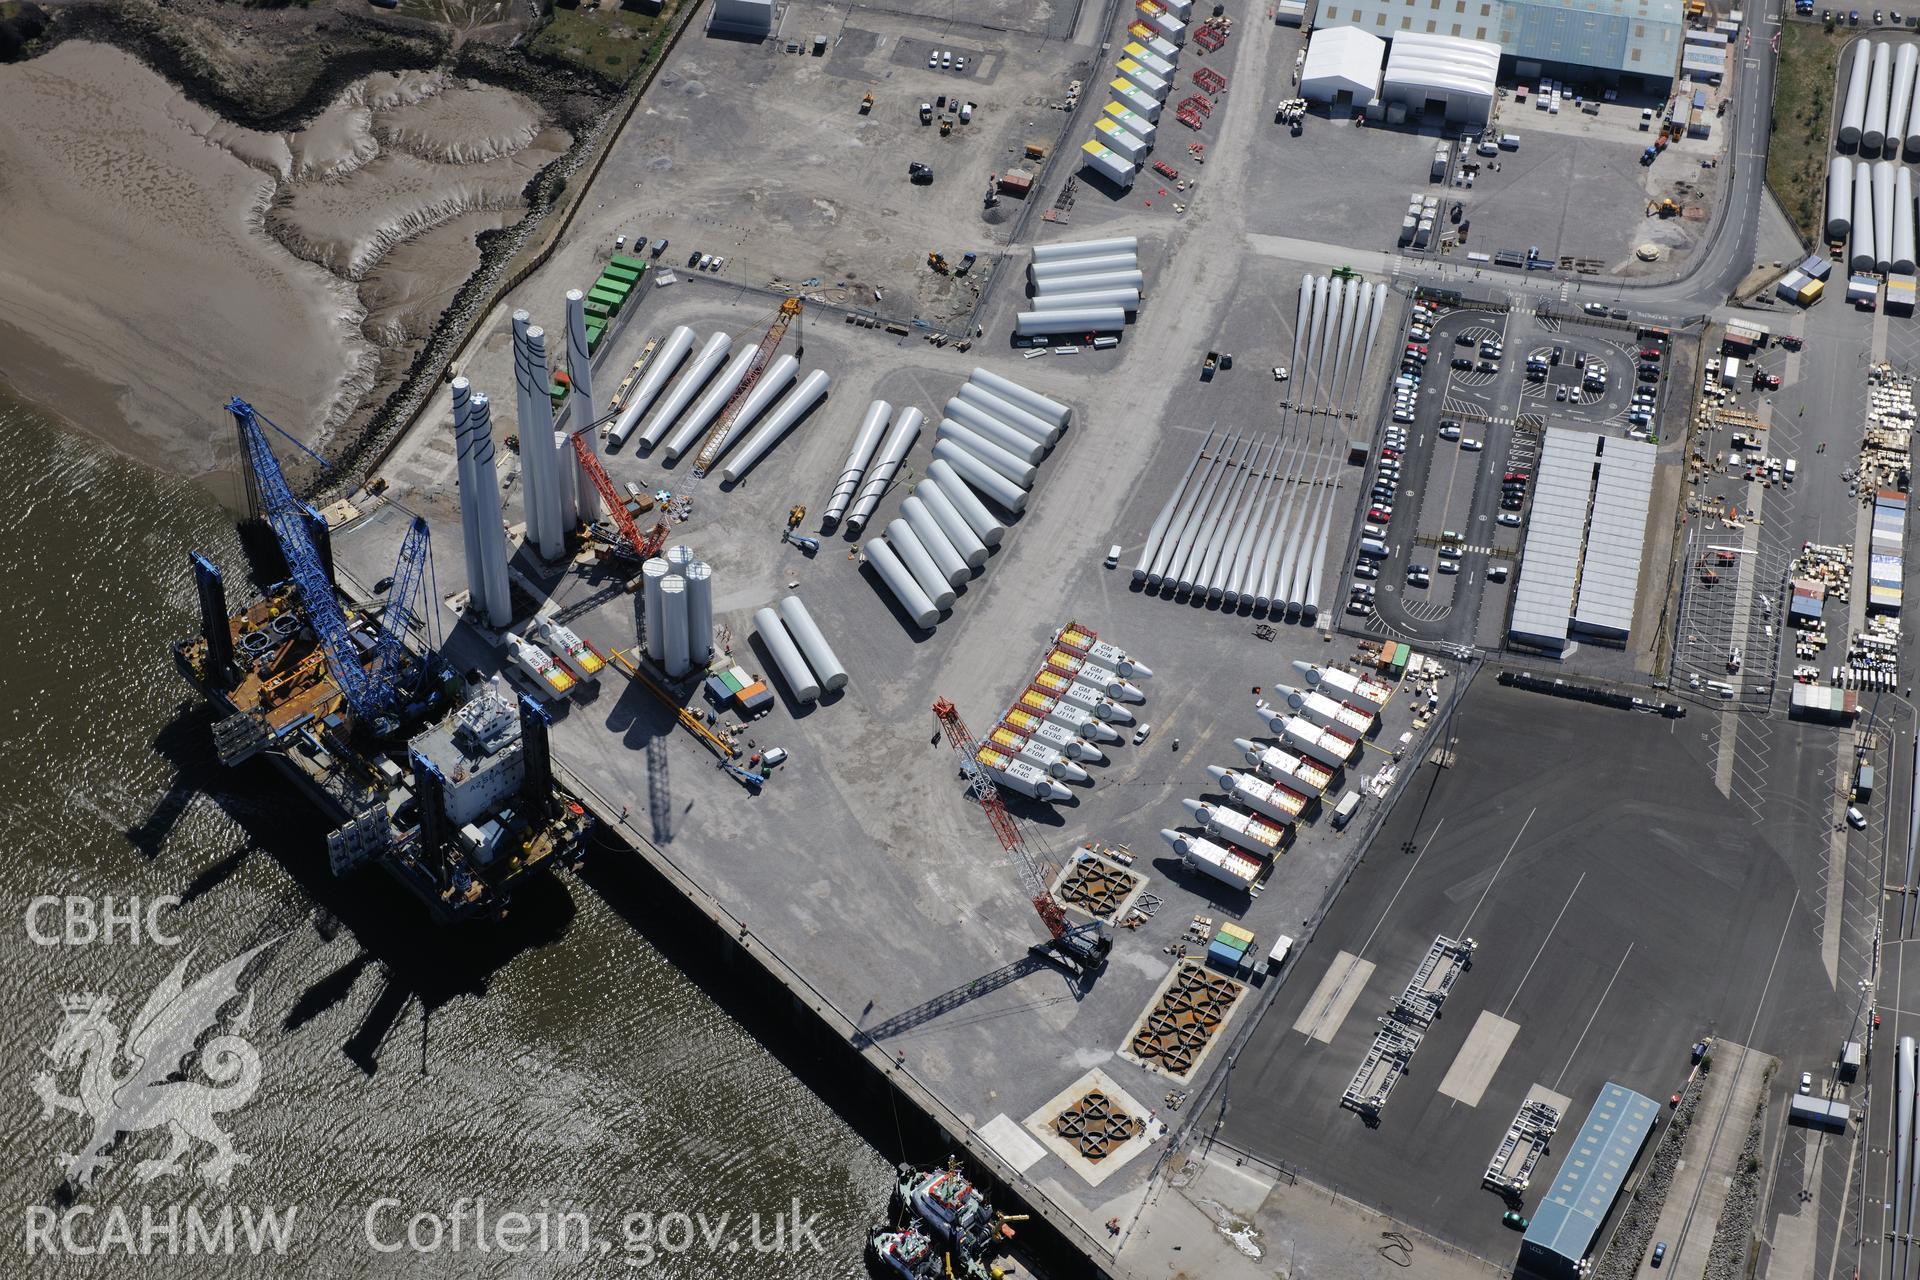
(1610, 578)
(1587, 530)
(1598, 1159)
(1638, 36)
(1543, 600)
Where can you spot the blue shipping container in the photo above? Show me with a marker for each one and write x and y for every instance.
(1225, 957)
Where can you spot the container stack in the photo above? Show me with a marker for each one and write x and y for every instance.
(987, 449)
(1123, 135)
(1886, 573)
(1081, 288)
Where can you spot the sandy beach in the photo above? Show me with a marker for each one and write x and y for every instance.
(157, 259)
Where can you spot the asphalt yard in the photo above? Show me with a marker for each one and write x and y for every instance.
(1622, 908)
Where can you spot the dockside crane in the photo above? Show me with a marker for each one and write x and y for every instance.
(1081, 948)
(710, 448)
(371, 688)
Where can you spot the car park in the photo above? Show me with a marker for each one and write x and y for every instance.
(1509, 519)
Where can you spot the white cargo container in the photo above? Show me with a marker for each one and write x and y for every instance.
(1118, 140)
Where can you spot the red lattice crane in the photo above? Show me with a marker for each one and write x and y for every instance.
(1085, 947)
(644, 545)
(710, 448)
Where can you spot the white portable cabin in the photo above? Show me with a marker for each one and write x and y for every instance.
(1144, 129)
(1114, 169)
(1149, 59)
(1165, 48)
(1116, 139)
(1145, 79)
(1170, 27)
(1138, 101)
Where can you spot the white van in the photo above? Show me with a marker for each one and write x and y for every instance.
(1793, 467)
(1373, 548)
(1344, 811)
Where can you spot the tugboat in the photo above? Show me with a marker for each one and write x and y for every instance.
(905, 1253)
(909, 1253)
(952, 1208)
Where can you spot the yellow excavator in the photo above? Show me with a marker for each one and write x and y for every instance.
(938, 261)
(1662, 209)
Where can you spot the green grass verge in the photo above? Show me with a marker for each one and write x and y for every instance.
(612, 41)
(1803, 102)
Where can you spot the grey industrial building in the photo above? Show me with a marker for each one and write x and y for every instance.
(1598, 1160)
(1580, 567)
(746, 19)
(1613, 42)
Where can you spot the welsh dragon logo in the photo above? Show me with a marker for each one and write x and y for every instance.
(149, 1083)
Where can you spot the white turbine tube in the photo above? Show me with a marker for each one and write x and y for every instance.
(952, 523)
(469, 509)
(967, 503)
(1045, 430)
(695, 423)
(906, 545)
(699, 579)
(946, 557)
(786, 656)
(1015, 442)
(1085, 249)
(665, 361)
(653, 576)
(789, 411)
(1032, 401)
(1007, 464)
(906, 428)
(552, 537)
(813, 644)
(687, 388)
(865, 443)
(673, 598)
(887, 567)
(490, 537)
(580, 417)
(981, 476)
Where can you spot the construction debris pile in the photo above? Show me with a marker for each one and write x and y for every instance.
(1885, 456)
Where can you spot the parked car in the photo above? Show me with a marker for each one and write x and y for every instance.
(1450, 553)
(1366, 569)
(1509, 519)
(1449, 566)
(1461, 362)
(1450, 431)
(1659, 1254)
(1488, 366)
(1806, 1082)
(1472, 445)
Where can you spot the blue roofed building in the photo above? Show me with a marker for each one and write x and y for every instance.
(1598, 1159)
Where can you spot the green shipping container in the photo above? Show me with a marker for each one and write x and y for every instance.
(598, 311)
(632, 264)
(611, 301)
(732, 681)
(614, 284)
(616, 272)
(1227, 940)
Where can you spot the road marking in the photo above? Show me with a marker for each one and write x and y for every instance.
(1479, 1058)
(1496, 873)
(1603, 999)
(1334, 998)
(1403, 884)
(1543, 943)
